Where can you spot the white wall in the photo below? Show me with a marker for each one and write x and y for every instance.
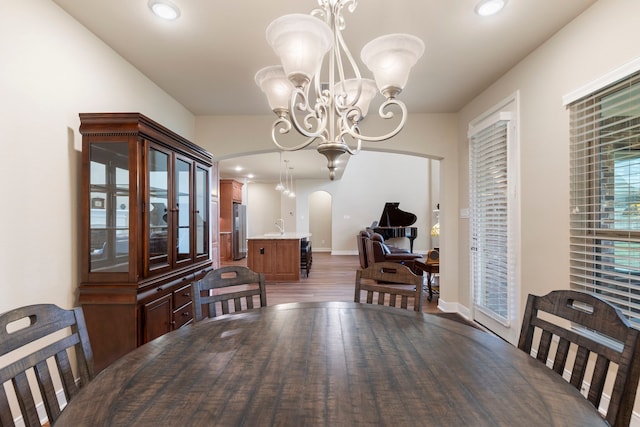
(52, 69)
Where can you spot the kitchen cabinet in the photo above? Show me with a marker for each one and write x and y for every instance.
(148, 221)
(278, 257)
(226, 249)
(230, 193)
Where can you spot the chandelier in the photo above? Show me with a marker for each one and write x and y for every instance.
(331, 114)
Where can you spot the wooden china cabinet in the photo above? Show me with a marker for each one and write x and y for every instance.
(149, 220)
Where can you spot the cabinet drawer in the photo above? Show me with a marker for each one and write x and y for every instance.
(183, 315)
(182, 296)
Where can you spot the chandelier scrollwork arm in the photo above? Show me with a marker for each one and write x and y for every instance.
(283, 126)
(314, 118)
(350, 130)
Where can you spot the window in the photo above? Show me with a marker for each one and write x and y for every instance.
(605, 194)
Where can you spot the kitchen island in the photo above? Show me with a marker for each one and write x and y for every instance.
(276, 255)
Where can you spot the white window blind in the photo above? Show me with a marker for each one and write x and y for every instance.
(605, 194)
(489, 220)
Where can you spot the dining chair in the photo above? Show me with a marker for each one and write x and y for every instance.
(231, 283)
(594, 334)
(38, 344)
(385, 279)
(378, 251)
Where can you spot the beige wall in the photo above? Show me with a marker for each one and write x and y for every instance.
(600, 40)
(52, 69)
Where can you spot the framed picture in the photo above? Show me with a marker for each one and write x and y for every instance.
(97, 203)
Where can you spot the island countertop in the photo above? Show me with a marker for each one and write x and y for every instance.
(278, 236)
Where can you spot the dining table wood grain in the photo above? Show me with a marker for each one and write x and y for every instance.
(328, 364)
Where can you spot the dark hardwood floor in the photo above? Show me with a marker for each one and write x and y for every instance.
(332, 278)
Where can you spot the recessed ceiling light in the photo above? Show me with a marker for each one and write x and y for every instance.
(490, 7)
(164, 9)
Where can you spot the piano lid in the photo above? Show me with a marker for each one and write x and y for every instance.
(392, 216)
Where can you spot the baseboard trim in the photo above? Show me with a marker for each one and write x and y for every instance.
(42, 412)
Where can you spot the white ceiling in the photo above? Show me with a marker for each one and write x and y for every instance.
(207, 58)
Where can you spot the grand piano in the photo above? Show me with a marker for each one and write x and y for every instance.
(395, 222)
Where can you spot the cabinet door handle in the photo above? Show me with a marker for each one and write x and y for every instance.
(186, 294)
(159, 289)
(186, 314)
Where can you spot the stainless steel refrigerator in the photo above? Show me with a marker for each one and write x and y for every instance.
(239, 236)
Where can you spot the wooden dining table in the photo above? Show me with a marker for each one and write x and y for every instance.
(328, 364)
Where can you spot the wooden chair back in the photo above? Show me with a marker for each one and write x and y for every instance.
(386, 277)
(600, 336)
(231, 283)
(48, 361)
(374, 251)
(361, 239)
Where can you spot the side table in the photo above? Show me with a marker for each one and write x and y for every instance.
(430, 269)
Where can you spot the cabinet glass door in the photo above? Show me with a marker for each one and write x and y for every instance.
(183, 209)
(109, 207)
(202, 214)
(158, 188)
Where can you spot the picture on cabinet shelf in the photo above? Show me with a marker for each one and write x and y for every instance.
(97, 203)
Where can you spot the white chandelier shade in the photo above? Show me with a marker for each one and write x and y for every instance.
(300, 41)
(332, 112)
(275, 84)
(390, 58)
(349, 91)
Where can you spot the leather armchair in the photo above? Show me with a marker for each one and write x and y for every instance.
(394, 250)
(377, 251)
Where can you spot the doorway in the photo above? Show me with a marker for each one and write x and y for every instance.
(320, 207)
(494, 167)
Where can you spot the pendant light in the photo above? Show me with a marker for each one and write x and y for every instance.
(280, 187)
